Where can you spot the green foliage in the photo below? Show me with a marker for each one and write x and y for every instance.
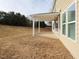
(42, 24)
(12, 18)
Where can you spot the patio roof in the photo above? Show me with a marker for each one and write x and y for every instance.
(45, 16)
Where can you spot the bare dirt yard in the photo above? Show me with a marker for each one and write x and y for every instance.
(18, 43)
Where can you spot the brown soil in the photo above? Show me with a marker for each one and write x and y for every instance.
(18, 43)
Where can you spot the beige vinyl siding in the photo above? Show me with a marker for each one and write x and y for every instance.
(62, 4)
(78, 21)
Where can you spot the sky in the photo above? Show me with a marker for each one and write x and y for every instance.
(26, 7)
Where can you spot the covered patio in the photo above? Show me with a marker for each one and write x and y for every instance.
(52, 16)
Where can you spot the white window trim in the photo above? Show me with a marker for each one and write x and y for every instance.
(70, 22)
(76, 18)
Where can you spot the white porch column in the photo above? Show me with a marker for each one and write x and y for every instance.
(59, 24)
(39, 27)
(52, 26)
(33, 27)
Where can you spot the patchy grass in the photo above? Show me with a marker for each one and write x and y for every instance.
(18, 43)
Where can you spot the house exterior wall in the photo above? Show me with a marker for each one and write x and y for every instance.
(78, 21)
(71, 45)
(62, 5)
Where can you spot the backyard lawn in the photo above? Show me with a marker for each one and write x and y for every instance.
(18, 43)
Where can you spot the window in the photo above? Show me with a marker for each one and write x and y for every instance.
(71, 30)
(71, 21)
(71, 13)
(64, 23)
(64, 18)
(64, 29)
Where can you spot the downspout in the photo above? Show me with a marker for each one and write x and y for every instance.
(54, 3)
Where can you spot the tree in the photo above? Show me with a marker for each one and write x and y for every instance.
(16, 19)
